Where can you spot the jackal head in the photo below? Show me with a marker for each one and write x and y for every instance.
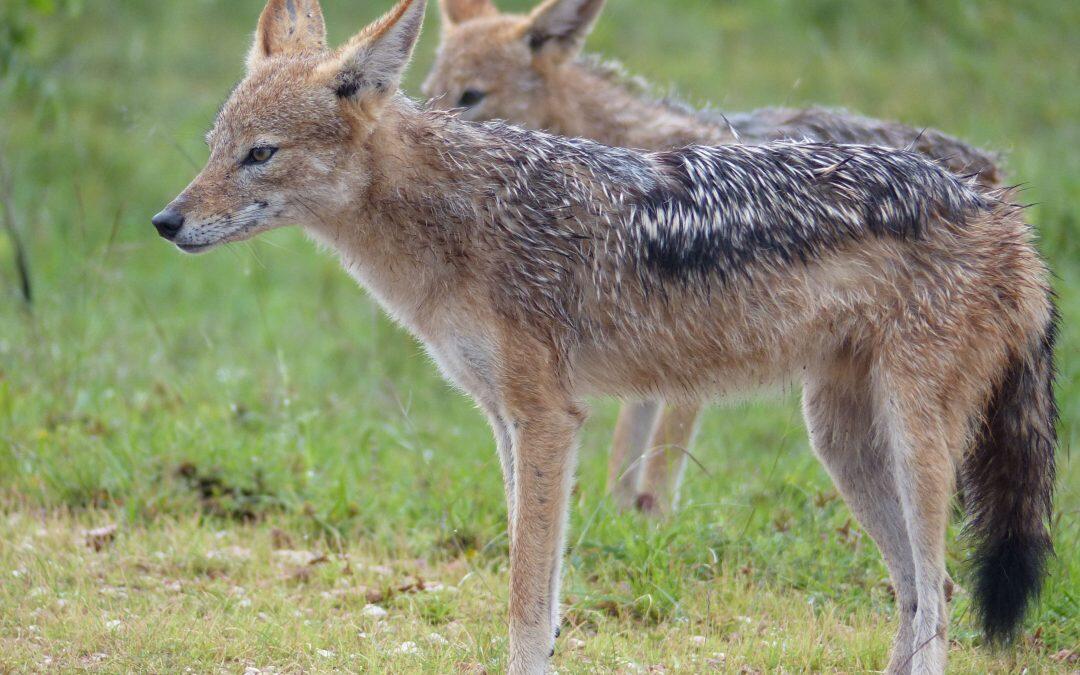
(287, 145)
(492, 65)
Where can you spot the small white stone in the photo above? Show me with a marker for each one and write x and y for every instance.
(325, 653)
(436, 639)
(408, 648)
(233, 553)
(295, 557)
(374, 611)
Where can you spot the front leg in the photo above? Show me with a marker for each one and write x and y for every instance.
(665, 459)
(544, 447)
(628, 443)
(504, 444)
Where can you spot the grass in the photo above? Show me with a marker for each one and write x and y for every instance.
(221, 408)
(177, 593)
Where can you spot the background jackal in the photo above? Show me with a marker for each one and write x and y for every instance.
(528, 69)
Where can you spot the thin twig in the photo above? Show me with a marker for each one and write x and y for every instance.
(22, 262)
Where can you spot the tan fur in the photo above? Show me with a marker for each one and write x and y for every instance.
(288, 27)
(457, 11)
(633, 430)
(664, 461)
(549, 91)
(429, 214)
(553, 89)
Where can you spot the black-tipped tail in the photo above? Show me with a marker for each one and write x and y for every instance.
(1008, 482)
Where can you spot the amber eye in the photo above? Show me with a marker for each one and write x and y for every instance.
(260, 155)
(470, 97)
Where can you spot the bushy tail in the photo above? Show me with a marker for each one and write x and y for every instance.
(1008, 482)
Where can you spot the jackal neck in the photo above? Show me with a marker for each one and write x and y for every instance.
(597, 106)
(404, 231)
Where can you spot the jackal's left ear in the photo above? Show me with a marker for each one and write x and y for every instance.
(371, 63)
(460, 11)
(559, 27)
(288, 27)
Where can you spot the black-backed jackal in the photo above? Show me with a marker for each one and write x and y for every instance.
(538, 270)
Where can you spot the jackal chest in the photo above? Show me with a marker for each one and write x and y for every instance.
(467, 359)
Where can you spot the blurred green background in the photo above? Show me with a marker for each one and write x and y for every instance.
(136, 377)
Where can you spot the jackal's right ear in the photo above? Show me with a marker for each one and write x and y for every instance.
(369, 66)
(288, 27)
(559, 27)
(458, 11)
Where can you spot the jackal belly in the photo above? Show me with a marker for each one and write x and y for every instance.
(756, 333)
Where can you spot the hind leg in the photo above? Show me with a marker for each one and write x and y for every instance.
(664, 461)
(839, 413)
(923, 441)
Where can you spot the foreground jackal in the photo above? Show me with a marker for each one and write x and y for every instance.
(529, 70)
(538, 270)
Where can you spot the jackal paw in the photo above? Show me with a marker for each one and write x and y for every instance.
(646, 503)
(558, 632)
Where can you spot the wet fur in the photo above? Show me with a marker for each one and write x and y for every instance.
(528, 265)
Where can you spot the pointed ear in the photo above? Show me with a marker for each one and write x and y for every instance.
(372, 62)
(288, 27)
(560, 26)
(458, 11)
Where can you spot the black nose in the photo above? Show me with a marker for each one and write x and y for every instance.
(168, 222)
